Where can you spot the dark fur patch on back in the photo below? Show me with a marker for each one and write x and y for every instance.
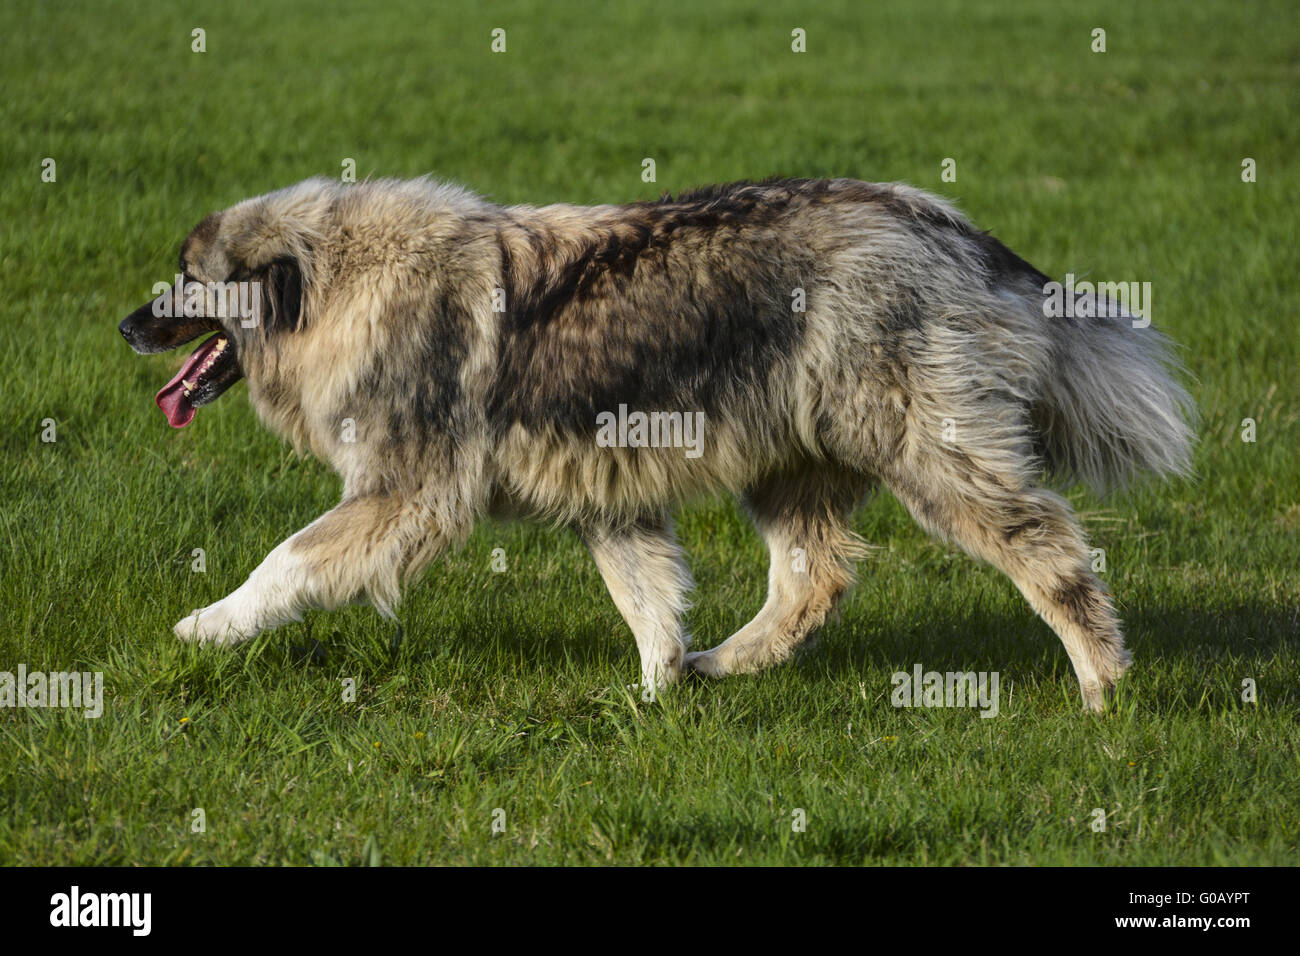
(667, 308)
(1004, 264)
(998, 260)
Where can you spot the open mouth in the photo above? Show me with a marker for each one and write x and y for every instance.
(206, 374)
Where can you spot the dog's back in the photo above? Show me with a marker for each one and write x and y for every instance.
(835, 319)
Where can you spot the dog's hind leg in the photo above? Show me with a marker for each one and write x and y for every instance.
(361, 549)
(803, 515)
(648, 579)
(1032, 536)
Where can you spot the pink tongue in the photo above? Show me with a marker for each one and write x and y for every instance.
(171, 398)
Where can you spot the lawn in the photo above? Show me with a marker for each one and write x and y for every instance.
(493, 725)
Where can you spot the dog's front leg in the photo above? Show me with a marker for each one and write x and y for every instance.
(642, 566)
(360, 549)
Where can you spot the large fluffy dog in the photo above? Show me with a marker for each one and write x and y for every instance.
(452, 358)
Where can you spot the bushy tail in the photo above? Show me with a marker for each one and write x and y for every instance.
(1114, 408)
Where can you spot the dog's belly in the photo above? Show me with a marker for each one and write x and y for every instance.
(573, 478)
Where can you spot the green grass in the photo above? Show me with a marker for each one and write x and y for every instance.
(505, 690)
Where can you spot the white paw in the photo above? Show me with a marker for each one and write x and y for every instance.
(217, 624)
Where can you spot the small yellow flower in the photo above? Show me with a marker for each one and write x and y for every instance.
(1132, 764)
(376, 743)
(184, 720)
(890, 739)
(419, 735)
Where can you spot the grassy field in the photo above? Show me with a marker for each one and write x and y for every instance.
(505, 691)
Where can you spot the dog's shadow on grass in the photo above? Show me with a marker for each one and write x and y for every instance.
(494, 635)
(1216, 649)
(1225, 644)
(1250, 631)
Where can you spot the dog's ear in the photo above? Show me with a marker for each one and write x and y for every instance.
(270, 240)
(282, 295)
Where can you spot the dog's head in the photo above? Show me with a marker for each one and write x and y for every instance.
(244, 275)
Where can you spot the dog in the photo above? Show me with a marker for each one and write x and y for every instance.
(454, 359)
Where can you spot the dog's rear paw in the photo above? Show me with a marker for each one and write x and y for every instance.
(706, 663)
(1099, 693)
(213, 624)
(1099, 696)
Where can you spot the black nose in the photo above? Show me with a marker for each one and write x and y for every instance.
(126, 329)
